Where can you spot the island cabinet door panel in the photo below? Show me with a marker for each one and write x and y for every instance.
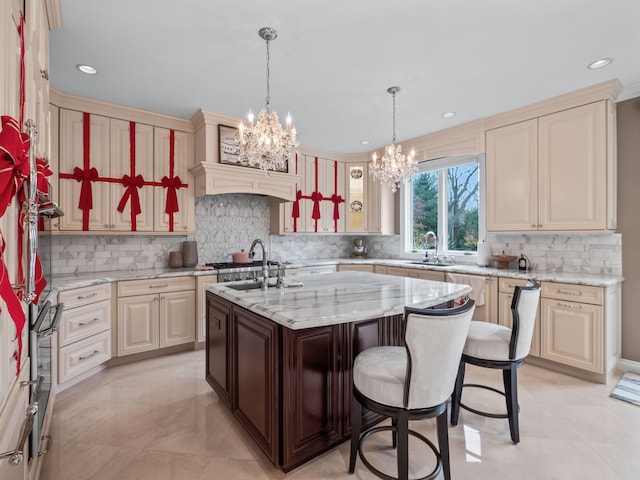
(217, 346)
(312, 390)
(255, 370)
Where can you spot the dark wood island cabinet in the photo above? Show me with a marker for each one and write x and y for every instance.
(290, 389)
(281, 359)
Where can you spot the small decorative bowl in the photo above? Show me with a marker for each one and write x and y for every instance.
(503, 261)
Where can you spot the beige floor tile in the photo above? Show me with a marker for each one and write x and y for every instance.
(159, 419)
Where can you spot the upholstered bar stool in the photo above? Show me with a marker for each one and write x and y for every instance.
(411, 382)
(495, 346)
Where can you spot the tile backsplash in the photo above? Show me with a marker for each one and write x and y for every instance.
(229, 223)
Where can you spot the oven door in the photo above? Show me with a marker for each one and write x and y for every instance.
(41, 375)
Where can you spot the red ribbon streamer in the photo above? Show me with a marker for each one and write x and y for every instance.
(295, 209)
(22, 72)
(133, 182)
(315, 214)
(171, 183)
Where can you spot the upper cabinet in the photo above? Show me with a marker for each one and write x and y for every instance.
(371, 206)
(119, 174)
(555, 172)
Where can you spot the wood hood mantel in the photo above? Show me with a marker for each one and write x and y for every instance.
(217, 178)
(213, 178)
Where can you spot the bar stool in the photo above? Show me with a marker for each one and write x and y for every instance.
(411, 382)
(495, 346)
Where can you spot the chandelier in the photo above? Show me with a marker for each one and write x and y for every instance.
(265, 143)
(394, 166)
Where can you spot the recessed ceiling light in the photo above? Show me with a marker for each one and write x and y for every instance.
(603, 62)
(365, 142)
(449, 114)
(88, 69)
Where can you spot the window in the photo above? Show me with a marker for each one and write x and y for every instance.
(441, 207)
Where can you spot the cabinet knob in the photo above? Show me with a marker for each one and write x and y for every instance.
(44, 74)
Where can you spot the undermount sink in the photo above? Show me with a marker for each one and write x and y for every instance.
(244, 286)
(429, 264)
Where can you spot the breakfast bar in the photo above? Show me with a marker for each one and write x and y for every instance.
(281, 358)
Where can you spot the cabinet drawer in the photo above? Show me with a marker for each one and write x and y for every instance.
(85, 296)
(82, 322)
(573, 293)
(155, 285)
(508, 285)
(416, 273)
(83, 355)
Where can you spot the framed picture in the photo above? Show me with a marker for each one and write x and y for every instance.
(230, 148)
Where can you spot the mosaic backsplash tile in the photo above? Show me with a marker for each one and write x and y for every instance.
(229, 223)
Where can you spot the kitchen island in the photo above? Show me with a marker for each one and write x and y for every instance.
(281, 359)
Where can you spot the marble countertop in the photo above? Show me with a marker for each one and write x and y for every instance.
(78, 280)
(342, 297)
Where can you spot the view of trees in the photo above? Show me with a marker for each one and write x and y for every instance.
(462, 203)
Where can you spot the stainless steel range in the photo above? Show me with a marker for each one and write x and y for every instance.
(232, 272)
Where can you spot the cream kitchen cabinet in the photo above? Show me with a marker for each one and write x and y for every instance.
(155, 313)
(506, 288)
(370, 206)
(84, 338)
(13, 416)
(168, 169)
(323, 179)
(484, 292)
(313, 270)
(580, 326)
(357, 267)
(553, 173)
(203, 281)
(433, 275)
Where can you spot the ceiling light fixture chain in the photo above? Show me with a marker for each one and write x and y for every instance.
(394, 167)
(265, 143)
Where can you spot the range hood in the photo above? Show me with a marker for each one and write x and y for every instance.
(218, 178)
(214, 178)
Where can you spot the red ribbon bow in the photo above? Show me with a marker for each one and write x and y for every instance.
(43, 171)
(172, 185)
(86, 194)
(295, 209)
(317, 198)
(337, 200)
(132, 184)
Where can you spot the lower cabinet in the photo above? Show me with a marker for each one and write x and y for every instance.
(202, 281)
(580, 326)
(290, 389)
(434, 275)
(356, 267)
(85, 330)
(12, 420)
(155, 313)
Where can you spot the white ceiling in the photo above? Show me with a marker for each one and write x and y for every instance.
(333, 60)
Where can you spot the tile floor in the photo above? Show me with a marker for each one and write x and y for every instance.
(158, 419)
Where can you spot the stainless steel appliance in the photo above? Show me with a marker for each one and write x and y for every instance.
(40, 350)
(231, 272)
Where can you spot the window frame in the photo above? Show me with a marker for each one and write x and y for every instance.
(406, 213)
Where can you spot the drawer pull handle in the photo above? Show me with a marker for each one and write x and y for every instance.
(16, 456)
(569, 292)
(90, 295)
(569, 305)
(93, 354)
(93, 320)
(159, 286)
(49, 443)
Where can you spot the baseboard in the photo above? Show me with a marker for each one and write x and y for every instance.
(629, 366)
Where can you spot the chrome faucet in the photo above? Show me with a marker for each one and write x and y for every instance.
(264, 282)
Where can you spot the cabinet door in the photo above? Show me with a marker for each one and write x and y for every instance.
(203, 281)
(177, 318)
(573, 169)
(124, 163)
(572, 333)
(311, 383)
(357, 268)
(12, 418)
(218, 344)
(138, 320)
(512, 177)
(287, 223)
(357, 205)
(255, 368)
(73, 143)
(172, 166)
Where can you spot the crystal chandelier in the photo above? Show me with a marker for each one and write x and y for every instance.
(265, 143)
(394, 167)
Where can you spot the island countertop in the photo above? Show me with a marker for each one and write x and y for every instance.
(342, 297)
